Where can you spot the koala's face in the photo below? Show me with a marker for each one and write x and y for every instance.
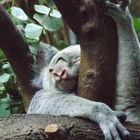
(64, 68)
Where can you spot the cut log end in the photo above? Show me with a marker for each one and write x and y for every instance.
(51, 128)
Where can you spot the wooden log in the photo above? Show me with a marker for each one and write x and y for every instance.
(45, 127)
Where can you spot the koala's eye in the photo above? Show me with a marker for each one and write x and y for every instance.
(61, 58)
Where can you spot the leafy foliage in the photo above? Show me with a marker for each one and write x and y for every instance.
(136, 21)
(46, 20)
(9, 92)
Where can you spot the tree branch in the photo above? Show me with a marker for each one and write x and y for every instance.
(54, 128)
(18, 54)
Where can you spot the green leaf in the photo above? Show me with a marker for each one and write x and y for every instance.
(49, 23)
(33, 50)
(136, 24)
(4, 78)
(20, 27)
(4, 104)
(33, 31)
(7, 68)
(1, 54)
(42, 1)
(61, 44)
(3, 92)
(46, 10)
(18, 13)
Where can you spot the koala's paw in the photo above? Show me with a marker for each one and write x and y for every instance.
(119, 12)
(109, 123)
(120, 6)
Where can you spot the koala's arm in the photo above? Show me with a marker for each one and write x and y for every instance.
(71, 105)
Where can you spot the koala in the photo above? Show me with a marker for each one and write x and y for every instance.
(58, 81)
(57, 95)
(128, 67)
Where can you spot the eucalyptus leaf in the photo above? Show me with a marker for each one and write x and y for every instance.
(46, 10)
(33, 31)
(7, 68)
(4, 78)
(4, 104)
(31, 41)
(61, 44)
(1, 54)
(3, 92)
(49, 23)
(18, 13)
(20, 27)
(42, 1)
(33, 50)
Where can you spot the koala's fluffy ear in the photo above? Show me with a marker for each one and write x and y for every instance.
(42, 60)
(45, 56)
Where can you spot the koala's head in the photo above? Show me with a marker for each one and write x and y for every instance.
(63, 69)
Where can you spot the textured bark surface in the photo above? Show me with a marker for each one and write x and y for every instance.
(18, 54)
(32, 127)
(135, 7)
(98, 39)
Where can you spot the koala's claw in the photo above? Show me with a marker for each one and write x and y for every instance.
(109, 123)
(119, 12)
(111, 130)
(124, 4)
(121, 5)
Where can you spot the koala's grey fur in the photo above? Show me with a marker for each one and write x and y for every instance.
(52, 100)
(128, 73)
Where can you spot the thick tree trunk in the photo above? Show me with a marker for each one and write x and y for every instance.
(98, 39)
(33, 127)
(18, 54)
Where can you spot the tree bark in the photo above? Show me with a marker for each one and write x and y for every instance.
(97, 35)
(18, 54)
(135, 7)
(44, 127)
